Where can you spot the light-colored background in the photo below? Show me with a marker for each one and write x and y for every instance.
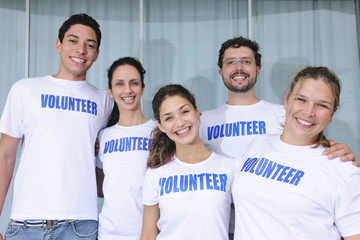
(180, 42)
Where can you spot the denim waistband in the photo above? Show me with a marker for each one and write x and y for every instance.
(40, 223)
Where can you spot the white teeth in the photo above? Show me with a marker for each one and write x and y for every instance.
(304, 122)
(183, 131)
(128, 99)
(239, 78)
(78, 60)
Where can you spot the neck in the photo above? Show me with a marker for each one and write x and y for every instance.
(132, 118)
(70, 77)
(245, 98)
(63, 73)
(192, 153)
(292, 140)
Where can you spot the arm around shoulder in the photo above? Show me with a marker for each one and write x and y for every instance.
(355, 237)
(150, 219)
(99, 181)
(8, 149)
(341, 150)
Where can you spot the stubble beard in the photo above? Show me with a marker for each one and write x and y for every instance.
(239, 89)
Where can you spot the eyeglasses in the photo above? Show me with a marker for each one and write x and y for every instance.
(246, 61)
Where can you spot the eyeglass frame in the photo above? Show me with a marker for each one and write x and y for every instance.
(241, 61)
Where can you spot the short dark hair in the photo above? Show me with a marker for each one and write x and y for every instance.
(240, 42)
(83, 19)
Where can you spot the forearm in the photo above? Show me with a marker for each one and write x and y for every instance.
(355, 237)
(150, 219)
(8, 148)
(6, 172)
(99, 181)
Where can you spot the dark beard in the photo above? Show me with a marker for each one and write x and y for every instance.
(244, 89)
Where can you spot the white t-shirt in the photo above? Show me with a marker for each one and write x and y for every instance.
(58, 120)
(123, 155)
(194, 199)
(229, 129)
(283, 191)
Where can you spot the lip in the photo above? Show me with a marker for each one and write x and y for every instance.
(304, 123)
(239, 76)
(78, 60)
(183, 132)
(128, 99)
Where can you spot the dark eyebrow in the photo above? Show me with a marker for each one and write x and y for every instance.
(320, 101)
(165, 114)
(184, 106)
(74, 36)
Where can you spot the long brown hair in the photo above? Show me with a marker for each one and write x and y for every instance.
(321, 74)
(162, 147)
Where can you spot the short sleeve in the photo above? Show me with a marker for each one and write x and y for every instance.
(100, 156)
(151, 188)
(347, 210)
(12, 117)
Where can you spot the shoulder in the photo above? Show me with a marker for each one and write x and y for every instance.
(107, 131)
(159, 171)
(100, 95)
(344, 169)
(100, 92)
(222, 160)
(269, 104)
(31, 81)
(151, 124)
(214, 111)
(273, 107)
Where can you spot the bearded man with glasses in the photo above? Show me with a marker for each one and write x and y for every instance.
(231, 127)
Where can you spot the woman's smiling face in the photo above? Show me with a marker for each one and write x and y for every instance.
(309, 108)
(179, 120)
(126, 88)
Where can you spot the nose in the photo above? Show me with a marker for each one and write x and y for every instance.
(179, 121)
(81, 48)
(128, 88)
(239, 64)
(309, 109)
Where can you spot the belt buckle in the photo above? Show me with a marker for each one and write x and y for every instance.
(48, 224)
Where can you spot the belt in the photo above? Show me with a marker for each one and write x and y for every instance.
(47, 224)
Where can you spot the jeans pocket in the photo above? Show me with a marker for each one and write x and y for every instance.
(12, 230)
(85, 228)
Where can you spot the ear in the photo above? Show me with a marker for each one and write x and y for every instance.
(97, 54)
(220, 71)
(160, 127)
(197, 112)
(58, 45)
(334, 112)
(142, 91)
(286, 100)
(257, 70)
(110, 92)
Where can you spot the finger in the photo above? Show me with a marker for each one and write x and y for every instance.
(331, 142)
(356, 163)
(348, 157)
(343, 154)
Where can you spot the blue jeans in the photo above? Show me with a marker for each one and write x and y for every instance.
(73, 230)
